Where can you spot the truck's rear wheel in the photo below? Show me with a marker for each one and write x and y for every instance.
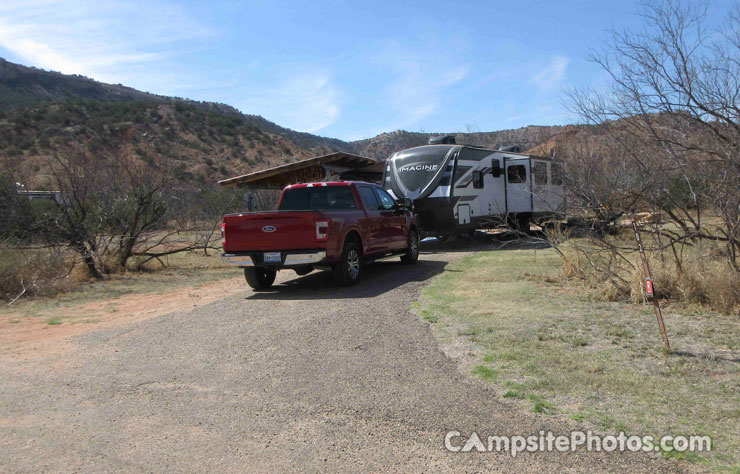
(259, 278)
(349, 268)
(412, 248)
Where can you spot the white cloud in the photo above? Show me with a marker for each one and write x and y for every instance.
(418, 80)
(107, 40)
(551, 75)
(307, 102)
(416, 91)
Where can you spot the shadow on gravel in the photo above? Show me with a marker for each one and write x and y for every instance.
(383, 276)
(378, 278)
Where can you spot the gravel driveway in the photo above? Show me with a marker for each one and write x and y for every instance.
(308, 377)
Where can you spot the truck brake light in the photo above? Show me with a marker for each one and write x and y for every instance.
(322, 230)
(223, 234)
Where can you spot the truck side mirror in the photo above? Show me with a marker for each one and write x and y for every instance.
(495, 168)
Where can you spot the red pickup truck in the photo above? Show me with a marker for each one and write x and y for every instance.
(338, 226)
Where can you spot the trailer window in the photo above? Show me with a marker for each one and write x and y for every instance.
(557, 174)
(477, 179)
(323, 198)
(368, 198)
(516, 174)
(540, 172)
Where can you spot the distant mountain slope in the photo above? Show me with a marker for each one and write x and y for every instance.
(44, 112)
(200, 146)
(383, 145)
(22, 86)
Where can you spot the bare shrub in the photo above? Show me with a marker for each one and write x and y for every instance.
(661, 146)
(615, 272)
(34, 272)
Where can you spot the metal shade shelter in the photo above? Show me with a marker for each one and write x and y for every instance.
(339, 165)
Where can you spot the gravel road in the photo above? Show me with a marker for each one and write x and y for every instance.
(308, 377)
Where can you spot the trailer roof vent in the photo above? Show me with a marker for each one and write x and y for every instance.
(511, 148)
(444, 140)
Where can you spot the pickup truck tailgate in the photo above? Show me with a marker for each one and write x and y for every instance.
(279, 230)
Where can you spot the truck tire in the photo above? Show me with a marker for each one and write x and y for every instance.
(348, 270)
(259, 278)
(412, 249)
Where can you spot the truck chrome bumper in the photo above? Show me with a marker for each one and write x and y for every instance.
(298, 258)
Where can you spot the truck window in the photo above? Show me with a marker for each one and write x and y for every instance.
(368, 198)
(516, 174)
(318, 198)
(540, 172)
(386, 201)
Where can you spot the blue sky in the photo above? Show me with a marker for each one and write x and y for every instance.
(342, 69)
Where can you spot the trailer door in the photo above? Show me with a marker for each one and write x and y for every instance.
(494, 202)
(541, 194)
(518, 193)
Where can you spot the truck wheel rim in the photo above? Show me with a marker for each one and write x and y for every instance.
(353, 264)
(414, 246)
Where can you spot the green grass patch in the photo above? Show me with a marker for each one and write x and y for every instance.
(514, 394)
(55, 321)
(484, 372)
(556, 349)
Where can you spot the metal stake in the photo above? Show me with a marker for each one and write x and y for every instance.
(650, 288)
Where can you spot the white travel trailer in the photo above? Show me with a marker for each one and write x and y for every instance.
(459, 188)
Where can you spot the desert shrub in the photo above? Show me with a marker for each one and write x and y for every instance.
(702, 276)
(35, 272)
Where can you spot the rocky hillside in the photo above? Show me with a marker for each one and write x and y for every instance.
(383, 145)
(44, 112)
(22, 86)
(201, 146)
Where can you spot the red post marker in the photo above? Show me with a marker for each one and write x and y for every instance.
(649, 288)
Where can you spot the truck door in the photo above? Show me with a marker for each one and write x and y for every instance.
(374, 224)
(518, 193)
(393, 224)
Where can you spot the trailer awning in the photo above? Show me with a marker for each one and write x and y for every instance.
(339, 165)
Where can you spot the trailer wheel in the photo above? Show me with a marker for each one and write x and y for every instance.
(260, 278)
(349, 268)
(412, 249)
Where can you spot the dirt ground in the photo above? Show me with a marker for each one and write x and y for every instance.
(25, 337)
(306, 377)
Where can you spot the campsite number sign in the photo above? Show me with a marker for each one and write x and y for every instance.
(649, 287)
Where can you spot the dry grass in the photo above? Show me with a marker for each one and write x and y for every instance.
(557, 343)
(182, 269)
(35, 272)
(703, 277)
(52, 271)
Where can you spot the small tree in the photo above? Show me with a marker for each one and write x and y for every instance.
(78, 220)
(673, 114)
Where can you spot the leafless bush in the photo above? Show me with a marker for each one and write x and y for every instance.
(34, 271)
(663, 146)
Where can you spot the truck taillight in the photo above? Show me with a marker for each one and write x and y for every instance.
(223, 234)
(322, 230)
